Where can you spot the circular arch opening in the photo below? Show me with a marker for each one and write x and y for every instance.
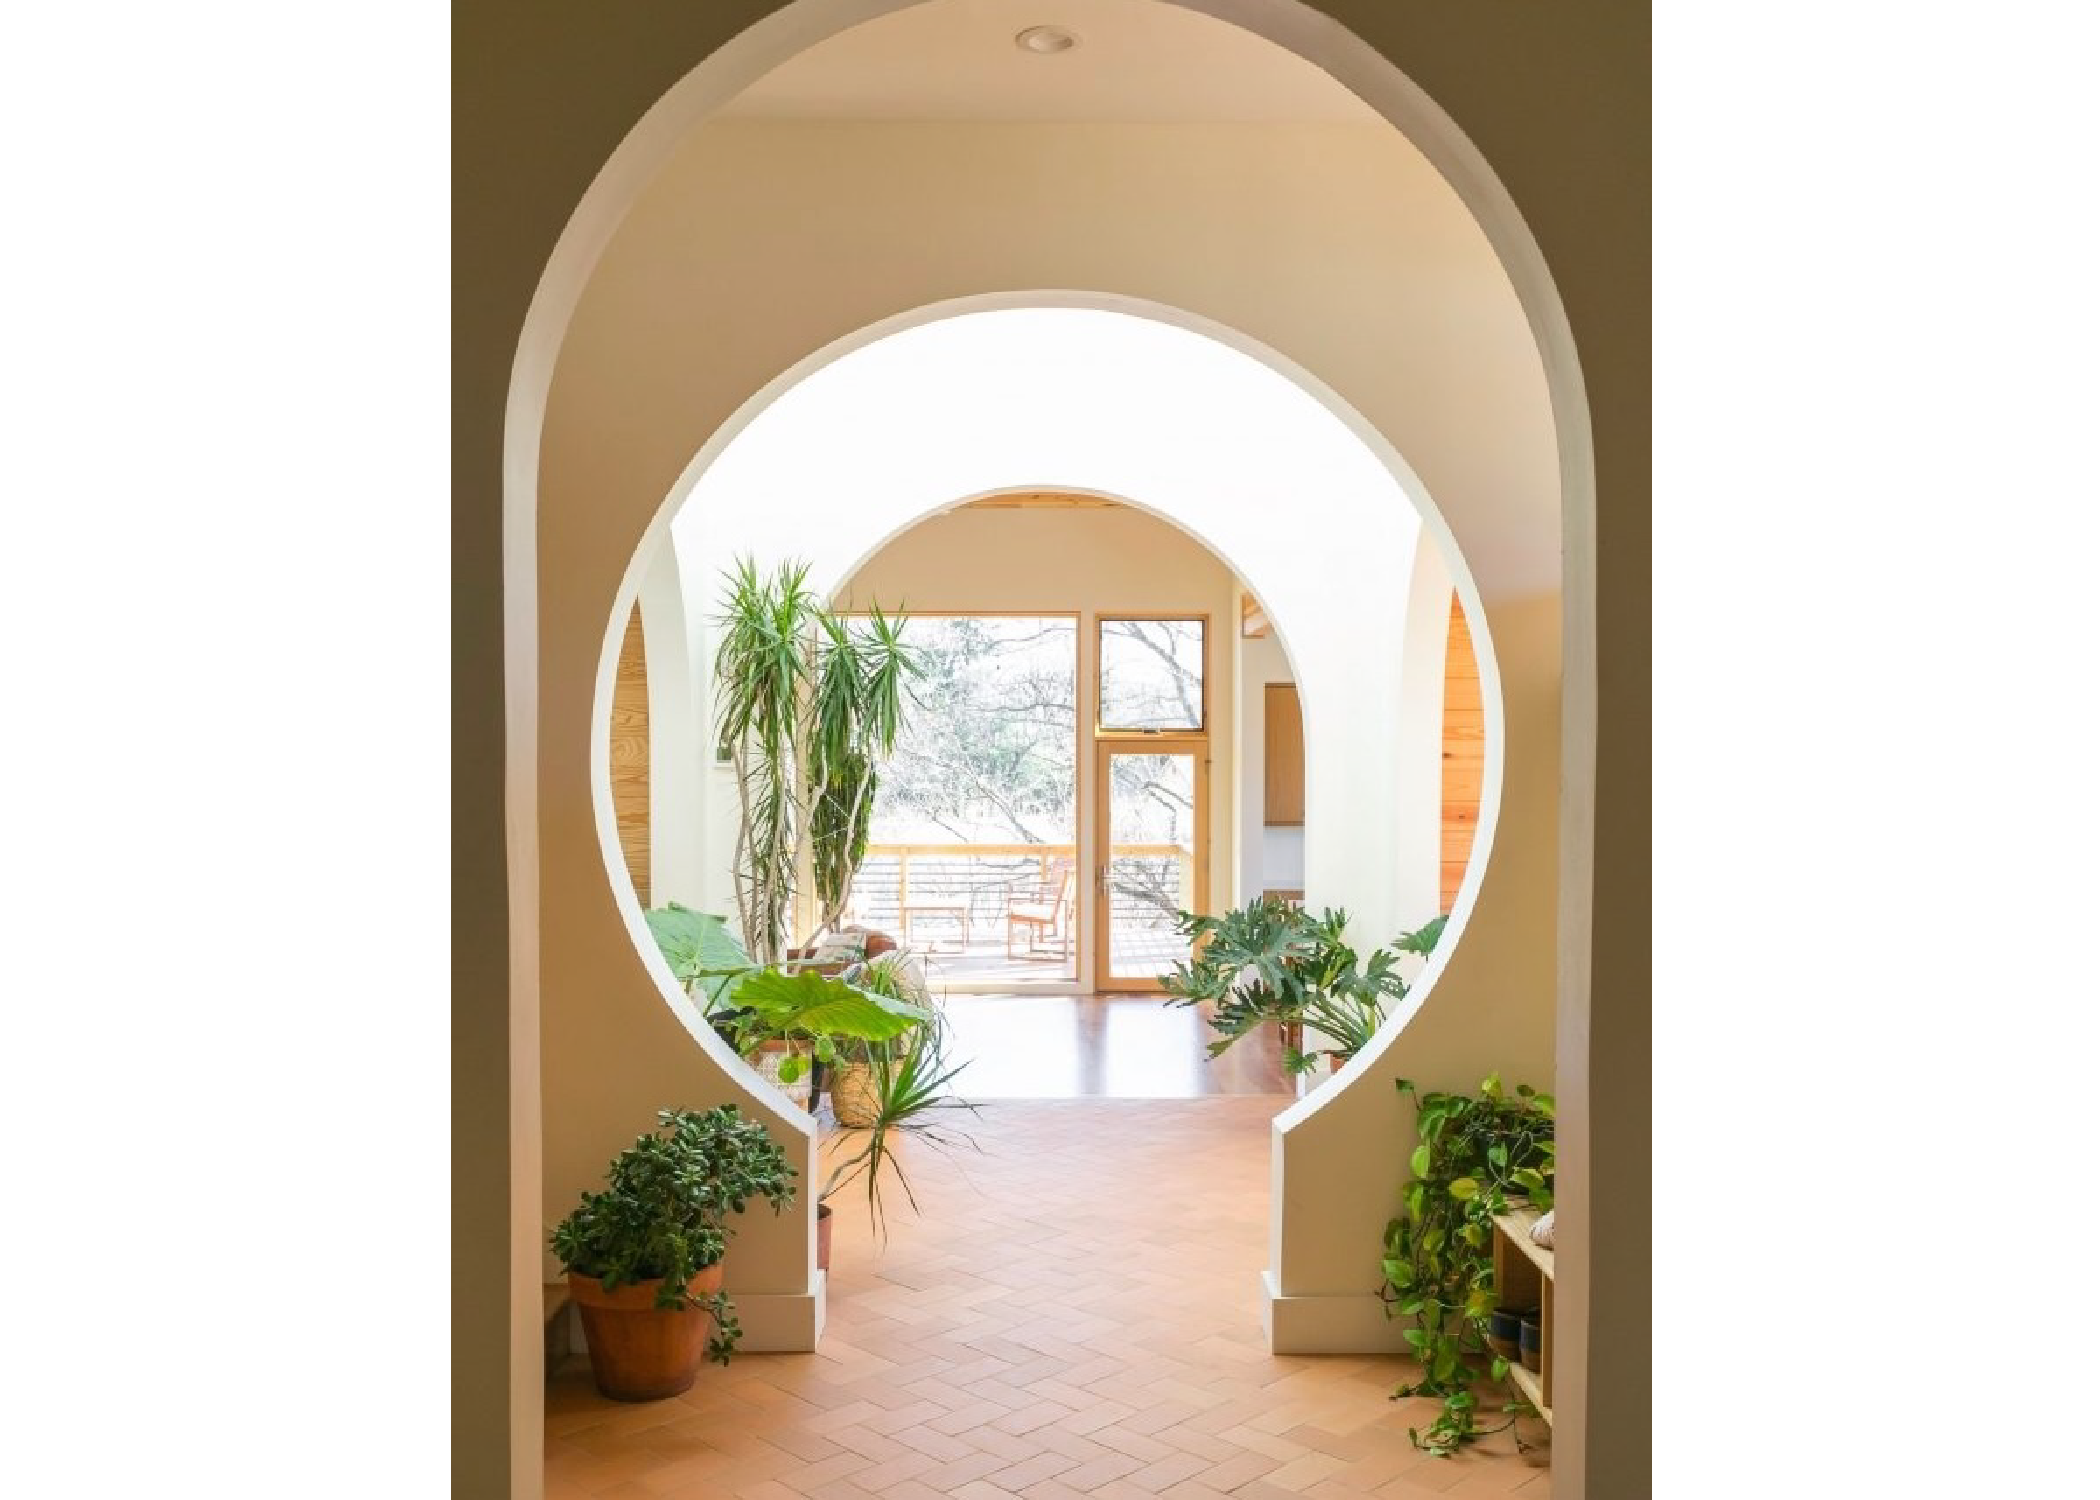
(1257, 462)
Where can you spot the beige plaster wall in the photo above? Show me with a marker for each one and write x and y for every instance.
(1558, 108)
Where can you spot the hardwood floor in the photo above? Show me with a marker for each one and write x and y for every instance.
(1101, 1046)
(1072, 1312)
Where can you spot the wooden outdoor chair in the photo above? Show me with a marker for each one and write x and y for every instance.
(1044, 914)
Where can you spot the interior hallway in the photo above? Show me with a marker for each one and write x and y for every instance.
(1073, 1311)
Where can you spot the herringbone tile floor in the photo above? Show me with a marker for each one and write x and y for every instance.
(1073, 1312)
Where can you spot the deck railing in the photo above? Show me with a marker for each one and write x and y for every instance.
(983, 880)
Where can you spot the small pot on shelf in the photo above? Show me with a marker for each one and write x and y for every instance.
(1530, 1341)
(1503, 1329)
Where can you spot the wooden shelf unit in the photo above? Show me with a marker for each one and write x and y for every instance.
(1524, 1278)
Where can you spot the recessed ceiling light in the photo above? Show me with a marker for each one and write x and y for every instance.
(1045, 40)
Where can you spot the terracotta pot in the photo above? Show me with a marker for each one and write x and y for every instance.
(639, 1351)
(854, 1099)
(823, 1236)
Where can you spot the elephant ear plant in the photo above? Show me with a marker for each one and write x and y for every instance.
(664, 1213)
(1473, 1153)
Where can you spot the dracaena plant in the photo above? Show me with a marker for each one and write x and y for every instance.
(911, 1081)
(1472, 1153)
(665, 1209)
(1271, 963)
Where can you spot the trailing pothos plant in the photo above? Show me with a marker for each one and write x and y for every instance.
(1475, 1152)
(666, 1206)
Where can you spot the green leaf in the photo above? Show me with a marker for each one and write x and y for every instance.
(792, 1067)
(1419, 1162)
(820, 1004)
(703, 953)
(1464, 1188)
(1498, 1368)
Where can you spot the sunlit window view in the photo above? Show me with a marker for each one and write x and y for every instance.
(1153, 805)
(1152, 675)
(971, 850)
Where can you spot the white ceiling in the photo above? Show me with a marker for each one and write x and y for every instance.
(1138, 61)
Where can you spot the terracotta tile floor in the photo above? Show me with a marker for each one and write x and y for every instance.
(1072, 1312)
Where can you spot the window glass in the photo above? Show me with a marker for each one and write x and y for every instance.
(1151, 674)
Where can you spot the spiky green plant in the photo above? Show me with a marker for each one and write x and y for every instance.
(912, 1101)
(807, 703)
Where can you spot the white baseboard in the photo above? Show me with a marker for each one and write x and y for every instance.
(1345, 1323)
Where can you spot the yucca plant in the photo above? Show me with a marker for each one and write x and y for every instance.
(807, 703)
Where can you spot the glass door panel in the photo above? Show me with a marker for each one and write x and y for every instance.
(1151, 853)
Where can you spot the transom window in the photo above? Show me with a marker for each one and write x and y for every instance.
(1152, 675)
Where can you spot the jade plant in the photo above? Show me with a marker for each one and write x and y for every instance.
(1474, 1153)
(664, 1213)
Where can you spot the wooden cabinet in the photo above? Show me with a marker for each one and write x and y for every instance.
(1283, 755)
(1524, 1278)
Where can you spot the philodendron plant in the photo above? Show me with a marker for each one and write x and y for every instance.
(1472, 1153)
(1271, 963)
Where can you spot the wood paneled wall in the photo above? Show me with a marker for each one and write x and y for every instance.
(630, 754)
(1465, 753)
(1283, 755)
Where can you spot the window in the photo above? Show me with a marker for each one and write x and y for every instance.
(1152, 675)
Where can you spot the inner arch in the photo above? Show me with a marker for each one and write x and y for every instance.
(1263, 468)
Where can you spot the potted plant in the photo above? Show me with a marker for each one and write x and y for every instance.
(910, 1101)
(851, 1080)
(807, 704)
(1473, 1153)
(783, 1018)
(1271, 963)
(644, 1256)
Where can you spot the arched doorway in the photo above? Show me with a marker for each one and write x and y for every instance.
(1288, 23)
